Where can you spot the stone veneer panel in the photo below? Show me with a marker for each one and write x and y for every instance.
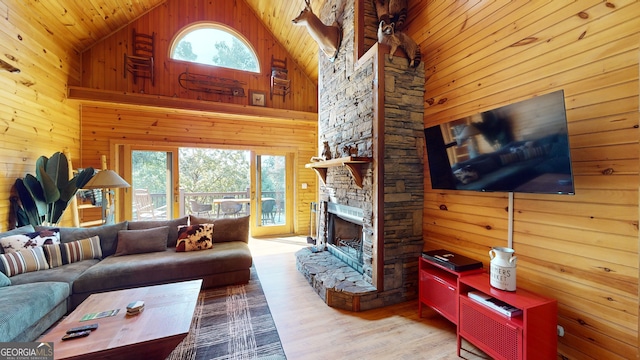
(346, 116)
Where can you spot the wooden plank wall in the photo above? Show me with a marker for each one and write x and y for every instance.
(103, 63)
(35, 117)
(582, 249)
(103, 68)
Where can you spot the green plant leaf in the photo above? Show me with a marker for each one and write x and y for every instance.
(51, 191)
(36, 192)
(69, 191)
(58, 170)
(28, 203)
(41, 165)
(84, 176)
(57, 209)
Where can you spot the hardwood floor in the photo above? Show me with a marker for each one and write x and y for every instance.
(309, 329)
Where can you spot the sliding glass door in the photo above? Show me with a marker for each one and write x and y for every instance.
(272, 181)
(170, 182)
(152, 184)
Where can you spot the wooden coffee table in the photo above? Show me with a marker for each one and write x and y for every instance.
(152, 334)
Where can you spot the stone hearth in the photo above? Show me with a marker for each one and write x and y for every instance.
(338, 284)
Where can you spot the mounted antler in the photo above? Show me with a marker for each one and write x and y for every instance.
(327, 37)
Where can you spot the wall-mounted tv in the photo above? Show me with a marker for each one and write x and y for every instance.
(520, 147)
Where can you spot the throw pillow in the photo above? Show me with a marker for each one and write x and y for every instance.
(22, 261)
(74, 251)
(17, 231)
(142, 241)
(227, 229)
(4, 280)
(108, 235)
(195, 237)
(14, 243)
(172, 236)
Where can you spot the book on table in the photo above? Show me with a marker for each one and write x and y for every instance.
(495, 304)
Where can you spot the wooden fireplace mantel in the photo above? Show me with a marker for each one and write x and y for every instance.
(353, 163)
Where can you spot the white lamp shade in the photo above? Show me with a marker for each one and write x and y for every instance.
(106, 179)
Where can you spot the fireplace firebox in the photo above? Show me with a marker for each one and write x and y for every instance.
(346, 235)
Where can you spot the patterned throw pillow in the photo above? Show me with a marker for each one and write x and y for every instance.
(74, 251)
(22, 261)
(195, 237)
(14, 243)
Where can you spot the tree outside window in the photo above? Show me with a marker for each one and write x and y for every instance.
(214, 44)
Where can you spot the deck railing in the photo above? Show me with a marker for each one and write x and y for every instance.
(208, 198)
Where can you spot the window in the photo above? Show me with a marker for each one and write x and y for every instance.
(214, 44)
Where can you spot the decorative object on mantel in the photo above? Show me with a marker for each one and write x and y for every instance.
(257, 98)
(326, 151)
(211, 84)
(350, 150)
(140, 64)
(503, 268)
(45, 196)
(327, 37)
(280, 82)
(353, 164)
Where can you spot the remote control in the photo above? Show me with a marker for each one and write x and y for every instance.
(89, 327)
(76, 335)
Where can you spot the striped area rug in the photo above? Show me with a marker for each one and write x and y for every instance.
(232, 323)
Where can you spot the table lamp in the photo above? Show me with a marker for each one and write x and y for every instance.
(107, 180)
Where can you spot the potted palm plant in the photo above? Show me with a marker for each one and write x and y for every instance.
(45, 196)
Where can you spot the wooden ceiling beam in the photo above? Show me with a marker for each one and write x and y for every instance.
(220, 109)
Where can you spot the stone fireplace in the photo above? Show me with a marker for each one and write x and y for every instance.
(370, 215)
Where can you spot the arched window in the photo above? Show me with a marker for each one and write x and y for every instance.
(214, 44)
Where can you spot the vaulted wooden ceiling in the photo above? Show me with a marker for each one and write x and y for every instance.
(81, 23)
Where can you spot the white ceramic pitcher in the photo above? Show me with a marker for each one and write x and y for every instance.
(503, 268)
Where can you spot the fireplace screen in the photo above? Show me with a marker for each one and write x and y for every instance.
(344, 240)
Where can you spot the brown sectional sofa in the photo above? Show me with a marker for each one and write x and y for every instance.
(228, 262)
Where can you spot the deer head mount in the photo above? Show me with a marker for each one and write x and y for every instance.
(328, 37)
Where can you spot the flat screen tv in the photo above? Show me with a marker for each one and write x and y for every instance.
(520, 147)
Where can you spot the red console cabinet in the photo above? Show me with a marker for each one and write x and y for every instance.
(530, 335)
(438, 288)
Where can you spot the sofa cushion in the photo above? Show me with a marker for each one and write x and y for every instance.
(108, 235)
(22, 261)
(172, 236)
(195, 237)
(4, 280)
(17, 242)
(67, 274)
(21, 230)
(119, 272)
(23, 306)
(226, 229)
(142, 241)
(74, 251)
